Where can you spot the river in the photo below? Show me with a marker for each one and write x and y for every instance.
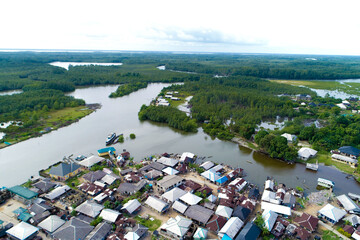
(20, 161)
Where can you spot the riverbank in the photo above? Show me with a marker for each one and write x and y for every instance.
(52, 121)
(322, 158)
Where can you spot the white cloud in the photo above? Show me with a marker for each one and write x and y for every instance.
(288, 26)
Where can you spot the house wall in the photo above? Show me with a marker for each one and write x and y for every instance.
(349, 163)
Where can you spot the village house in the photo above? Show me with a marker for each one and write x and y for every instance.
(169, 182)
(22, 194)
(307, 221)
(331, 213)
(64, 171)
(350, 151)
(51, 224)
(74, 229)
(132, 206)
(91, 161)
(176, 228)
(344, 159)
(305, 153)
(157, 204)
(90, 209)
(23, 231)
(250, 231)
(199, 214)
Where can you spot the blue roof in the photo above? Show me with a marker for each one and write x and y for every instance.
(103, 150)
(249, 232)
(222, 180)
(19, 211)
(64, 169)
(226, 237)
(350, 150)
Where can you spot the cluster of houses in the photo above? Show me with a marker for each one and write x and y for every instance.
(162, 101)
(210, 201)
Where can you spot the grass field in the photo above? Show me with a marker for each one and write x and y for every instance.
(152, 225)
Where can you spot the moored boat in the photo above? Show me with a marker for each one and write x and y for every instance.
(110, 139)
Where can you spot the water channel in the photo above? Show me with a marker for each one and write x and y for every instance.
(20, 161)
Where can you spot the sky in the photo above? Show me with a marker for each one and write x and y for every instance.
(251, 26)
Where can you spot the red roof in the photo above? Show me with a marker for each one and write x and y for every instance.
(216, 223)
(307, 221)
(349, 229)
(302, 234)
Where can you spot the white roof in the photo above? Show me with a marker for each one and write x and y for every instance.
(269, 197)
(190, 198)
(51, 223)
(281, 209)
(207, 165)
(356, 235)
(109, 215)
(108, 179)
(57, 192)
(237, 183)
(201, 233)
(210, 175)
(168, 161)
(179, 206)
(156, 203)
(185, 155)
(224, 211)
(306, 152)
(170, 171)
(269, 184)
(212, 198)
(341, 105)
(178, 225)
(100, 184)
(223, 196)
(90, 161)
(269, 219)
(174, 194)
(217, 168)
(131, 205)
(131, 236)
(231, 227)
(345, 102)
(332, 212)
(353, 219)
(22, 230)
(344, 158)
(288, 136)
(90, 209)
(163, 103)
(347, 203)
(100, 197)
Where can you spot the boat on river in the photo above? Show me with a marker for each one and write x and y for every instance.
(312, 166)
(111, 138)
(325, 183)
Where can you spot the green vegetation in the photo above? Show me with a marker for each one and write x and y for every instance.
(299, 189)
(27, 184)
(128, 88)
(195, 166)
(132, 136)
(346, 234)
(277, 146)
(259, 221)
(121, 139)
(138, 166)
(96, 221)
(329, 235)
(152, 225)
(170, 115)
(73, 213)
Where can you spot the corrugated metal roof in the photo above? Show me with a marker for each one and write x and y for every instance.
(22, 192)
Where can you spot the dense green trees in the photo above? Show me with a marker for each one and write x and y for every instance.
(170, 115)
(277, 146)
(128, 88)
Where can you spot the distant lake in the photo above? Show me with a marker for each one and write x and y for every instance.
(67, 64)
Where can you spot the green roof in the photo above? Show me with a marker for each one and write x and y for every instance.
(25, 216)
(1, 222)
(19, 211)
(23, 192)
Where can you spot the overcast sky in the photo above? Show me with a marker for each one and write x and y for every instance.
(251, 26)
